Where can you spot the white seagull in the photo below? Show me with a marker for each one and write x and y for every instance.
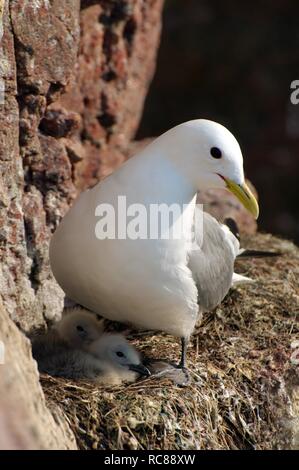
(160, 284)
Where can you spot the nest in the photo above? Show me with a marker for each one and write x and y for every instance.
(240, 360)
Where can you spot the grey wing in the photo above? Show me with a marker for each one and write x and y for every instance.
(71, 364)
(212, 261)
(44, 345)
(55, 357)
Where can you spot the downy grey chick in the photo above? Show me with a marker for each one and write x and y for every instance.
(77, 348)
(79, 327)
(120, 360)
(111, 361)
(76, 330)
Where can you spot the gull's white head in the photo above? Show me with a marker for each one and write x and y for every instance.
(210, 157)
(114, 349)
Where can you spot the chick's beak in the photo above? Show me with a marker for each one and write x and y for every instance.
(140, 369)
(244, 194)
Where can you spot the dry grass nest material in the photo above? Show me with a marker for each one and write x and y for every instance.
(240, 362)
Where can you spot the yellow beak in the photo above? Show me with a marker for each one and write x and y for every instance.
(245, 196)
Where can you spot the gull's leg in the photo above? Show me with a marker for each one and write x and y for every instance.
(182, 365)
(184, 343)
(178, 374)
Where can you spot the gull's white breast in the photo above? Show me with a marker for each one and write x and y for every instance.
(143, 282)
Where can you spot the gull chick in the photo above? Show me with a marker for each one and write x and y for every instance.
(122, 361)
(78, 327)
(77, 348)
(111, 361)
(156, 283)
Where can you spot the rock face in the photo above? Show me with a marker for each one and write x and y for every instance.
(119, 42)
(25, 421)
(75, 82)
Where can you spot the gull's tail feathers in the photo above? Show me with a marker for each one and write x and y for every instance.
(246, 253)
(240, 279)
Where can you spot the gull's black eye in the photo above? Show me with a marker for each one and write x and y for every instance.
(120, 354)
(216, 152)
(80, 328)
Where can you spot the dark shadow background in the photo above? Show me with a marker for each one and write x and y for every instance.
(233, 62)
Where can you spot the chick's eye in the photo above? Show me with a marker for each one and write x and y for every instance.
(216, 152)
(80, 328)
(120, 354)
